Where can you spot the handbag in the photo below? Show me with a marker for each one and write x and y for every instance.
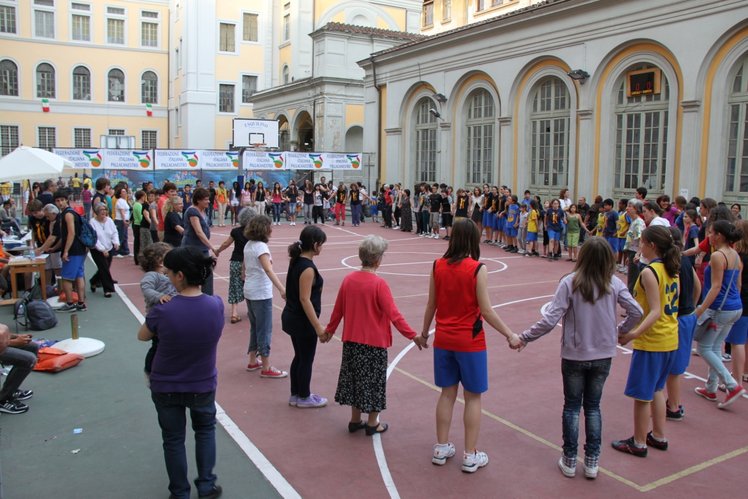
(706, 321)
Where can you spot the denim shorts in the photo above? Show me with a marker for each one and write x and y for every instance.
(470, 368)
(553, 235)
(648, 373)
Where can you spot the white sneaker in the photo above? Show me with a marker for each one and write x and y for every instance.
(473, 461)
(442, 452)
(568, 466)
(435, 236)
(590, 467)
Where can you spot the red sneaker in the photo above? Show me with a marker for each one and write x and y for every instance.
(254, 367)
(702, 392)
(732, 396)
(273, 373)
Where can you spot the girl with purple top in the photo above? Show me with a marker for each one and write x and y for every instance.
(586, 302)
(184, 374)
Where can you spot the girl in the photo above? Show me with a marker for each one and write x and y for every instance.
(341, 195)
(374, 207)
(586, 302)
(739, 332)
(365, 298)
(259, 280)
(533, 219)
(574, 228)
(309, 198)
(554, 221)
(236, 263)
(156, 288)
(655, 340)
(234, 201)
(260, 198)
(222, 199)
(723, 305)
(292, 198)
(691, 223)
(633, 241)
(476, 203)
(355, 199)
(276, 197)
(246, 195)
(406, 212)
(300, 318)
(458, 296)
(319, 204)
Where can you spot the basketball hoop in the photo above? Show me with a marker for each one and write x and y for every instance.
(257, 145)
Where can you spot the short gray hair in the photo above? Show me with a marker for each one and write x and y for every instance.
(51, 208)
(246, 215)
(637, 204)
(371, 249)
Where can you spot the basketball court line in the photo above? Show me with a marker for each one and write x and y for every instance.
(270, 472)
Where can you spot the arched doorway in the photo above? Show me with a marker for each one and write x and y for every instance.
(305, 132)
(284, 135)
(354, 139)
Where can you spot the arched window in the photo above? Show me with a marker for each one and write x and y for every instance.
(641, 137)
(737, 146)
(149, 88)
(45, 81)
(549, 147)
(425, 137)
(116, 86)
(480, 137)
(8, 78)
(81, 83)
(284, 74)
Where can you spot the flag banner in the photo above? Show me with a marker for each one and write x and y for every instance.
(45, 105)
(177, 159)
(149, 110)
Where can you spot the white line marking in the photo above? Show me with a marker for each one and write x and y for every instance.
(254, 454)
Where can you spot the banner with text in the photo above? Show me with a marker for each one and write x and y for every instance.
(108, 159)
(261, 160)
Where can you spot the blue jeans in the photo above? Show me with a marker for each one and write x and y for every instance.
(355, 214)
(710, 348)
(583, 386)
(21, 360)
(276, 212)
(260, 326)
(170, 408)
(124, 250)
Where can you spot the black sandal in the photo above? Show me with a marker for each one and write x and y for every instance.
(371, 430)
(354, 427)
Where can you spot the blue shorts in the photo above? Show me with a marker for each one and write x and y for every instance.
(499, 224)
(553, 235)
(648, 373)
(487, 219)
(739, 332)
(510, 231)
(469, 368)
(686, 326)
(73, 268)
(613, 242)
(532, 236)
(621, 244)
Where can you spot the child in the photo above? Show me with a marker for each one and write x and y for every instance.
(574, 226)
(446, 213)
(546, 208)
(621, 229)
(554, 221)
(522, 235)
(511, 224)
(655, 341)
(533, 221)
(610, 228)
(156, 287)
(374, 207)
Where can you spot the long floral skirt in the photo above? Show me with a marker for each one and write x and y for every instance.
(362, 382)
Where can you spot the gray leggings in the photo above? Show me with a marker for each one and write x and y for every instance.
(308, 213)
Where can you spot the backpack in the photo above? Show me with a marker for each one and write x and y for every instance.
(35, 315)
(88, 235)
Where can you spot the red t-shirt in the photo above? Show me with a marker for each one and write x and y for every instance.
(457, 306)
(160, 211)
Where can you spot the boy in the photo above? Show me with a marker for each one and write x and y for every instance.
(610, 229)
(522, 235)
(435, 204)
(511, 223)
(622, 229)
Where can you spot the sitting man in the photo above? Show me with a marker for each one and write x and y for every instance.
(21, 355)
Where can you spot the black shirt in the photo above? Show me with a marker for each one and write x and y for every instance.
(462, 206)
(145, 224)
(77, 247)
(355, 199)
(446, 206)
(39, 228)
(435, 201)
(171, 236)
(260, 195)
(46, 198)
(240, 241)
(294, 319)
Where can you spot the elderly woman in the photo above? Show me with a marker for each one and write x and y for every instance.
(183, 373)
(173, 224)
(365, 298)
(107, 243)
(197, 231)
(236, 263)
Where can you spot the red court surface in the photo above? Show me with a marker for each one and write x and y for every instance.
(521, 426)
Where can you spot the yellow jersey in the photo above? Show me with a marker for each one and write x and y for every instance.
(662, 336)
(532, 221)
(622, 226)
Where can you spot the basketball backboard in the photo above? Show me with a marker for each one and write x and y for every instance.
(254, 133)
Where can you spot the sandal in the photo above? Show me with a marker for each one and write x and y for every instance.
(235, 319)
(380, 428)
(354, 427)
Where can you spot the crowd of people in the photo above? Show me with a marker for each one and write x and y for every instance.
(682, 263)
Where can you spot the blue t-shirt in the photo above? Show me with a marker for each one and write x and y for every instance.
(188, 329)
(554, 220)
(611, 224)
(512, 214)
(189, 237)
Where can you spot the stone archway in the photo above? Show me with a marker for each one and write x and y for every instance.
(305, 132)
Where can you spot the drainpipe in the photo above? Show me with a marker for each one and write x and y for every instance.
(379, 120)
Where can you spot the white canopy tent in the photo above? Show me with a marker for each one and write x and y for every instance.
(29, 162)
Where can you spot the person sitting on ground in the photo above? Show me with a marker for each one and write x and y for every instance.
(365, 298)
(20, 354)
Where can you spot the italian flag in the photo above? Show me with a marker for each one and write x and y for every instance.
(148, 110)
(45, 105)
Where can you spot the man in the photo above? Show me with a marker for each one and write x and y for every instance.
(75, 184)
(527, 199)
(212, 198)
(641, 193)
(169, 191)
(41, 222)
(583, 209)
(99, 197)
(187, 197)
(73, 255)
(19, 352)
(45, 195)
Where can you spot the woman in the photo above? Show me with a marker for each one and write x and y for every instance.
(107, 243)
(300, 318)
(633, 238)
(458, 296)
(236, 263)
(365, 298)
(173, 224)
(222, 199)
(355, 197)
(406, 211)
(122, 218)
(309, 201)
(655, 341)
(476, 210)
(586, 301)
(319, 203)
(723, 306)
(183, 372)
(144, 232)
(246, 195)
(735, 208)
(739, 333)
(292, 198)
(259, 280)
(235, 195)
(276, 197)
(260, 198)
(669, 212)
(197, 231)
(574, 228)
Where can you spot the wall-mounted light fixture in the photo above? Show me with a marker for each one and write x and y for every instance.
(440, 98)
(435, 113)
(579, 75)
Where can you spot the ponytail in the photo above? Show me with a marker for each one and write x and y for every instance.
(190, 261)
(665, 247)
(309, 236)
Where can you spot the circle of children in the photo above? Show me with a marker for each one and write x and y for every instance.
(682, 261)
